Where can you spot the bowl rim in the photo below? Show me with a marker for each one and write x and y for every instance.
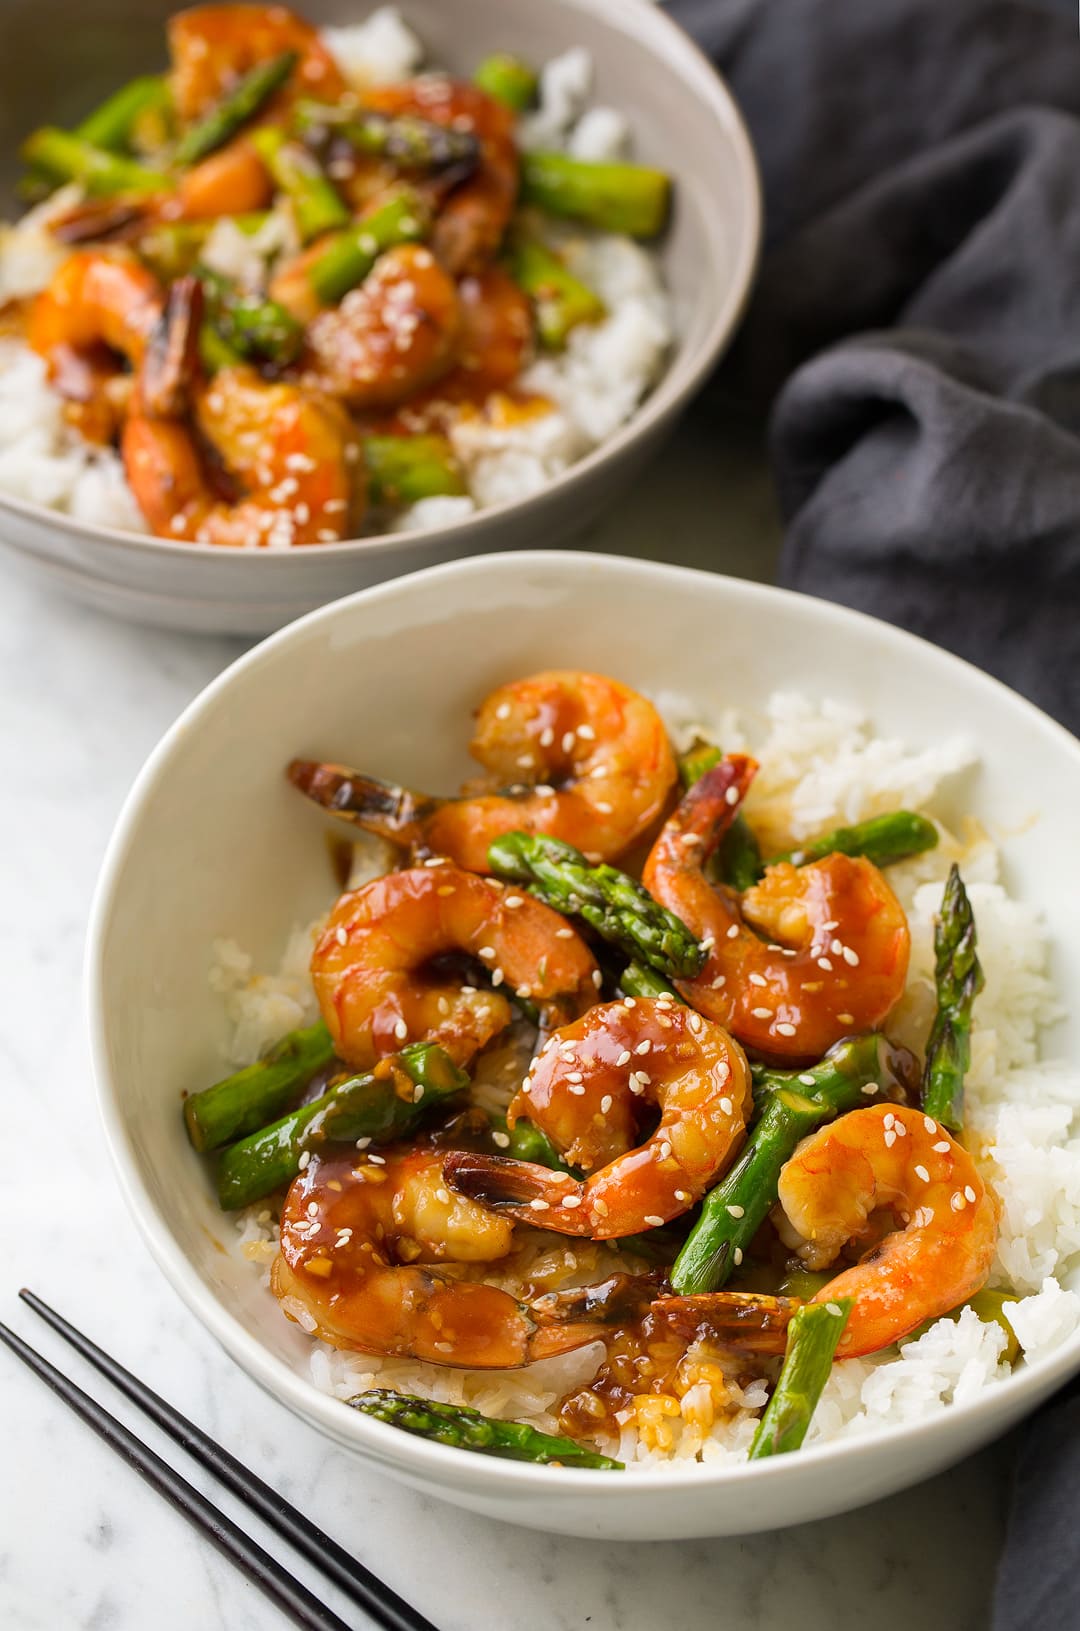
(416, 1457)
(649, 25)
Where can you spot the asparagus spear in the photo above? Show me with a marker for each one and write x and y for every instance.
(883, 839)
(615, 905)
(627, 198)
(247, 1100)
(812, 1337)
(738, 859)
(407, 141)
(560, 300)
(382, 1104)
(347, 256)
(113, 123)
(317, 207)
(71, 158)
(235, 108)
(638, 980)
(466, 1429)
(959, 978)
(526, 1142)
(251, 325)
(403, 469)
(507, 79)
(793, 1104)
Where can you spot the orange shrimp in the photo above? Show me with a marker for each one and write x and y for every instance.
(361, 1238)
(471, 222)
(587, 760)
(837, 952)
(375, 992)
(884, 1160)
(96, 315)
(391, 335)
(586, 1091)
(213, 46)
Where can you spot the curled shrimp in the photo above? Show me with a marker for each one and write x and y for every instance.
(472, 219)
(882, 1161)
(289, 451)
(390, 336)
(213, 46)
(836, 957)
(587, 1089)
(376, 991)
(362, 1239)
(587, 760)
(95, 316)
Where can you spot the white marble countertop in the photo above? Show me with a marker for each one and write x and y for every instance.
(83, 1543)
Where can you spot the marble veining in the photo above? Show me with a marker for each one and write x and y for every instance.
(83, 1543)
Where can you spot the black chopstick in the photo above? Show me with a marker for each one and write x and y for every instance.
(362, 1587)
(278, 1584)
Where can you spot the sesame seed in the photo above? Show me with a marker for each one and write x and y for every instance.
(663, 1151)
(758, 979)
(921, 1172)
(827, 928)
(737, 1211)
(869, 1089)
(689, 839)
(486, 951)
(342, 937)
(377, 1160)
(305, 1157)
(446, 889)
(586, 733)
(597, 978)
(823, 962)
(654, 1222)
(969, 1193)
(605, 809)
(784, 1028)
(888, 1119)
(837, 948)
(497, 976)
(443, 1195)
(957, 1202)
(564, 934)
(733, 931)
(501, 1139)
(943, 1147)
(682, 1194)
(568, 742)
(901, 1130)
(524, 991)
(418, 1092)
(890, 1140)
(503, 711)
(600, 1207)
(846, 1019)
(624, 1057)
(575, 1076)
(605, 1104)
(362, 1143)
(726, 1106)
(807, 1080)
(851, 957)
(547, 736)
(401, 1030)
(833, 1309)
(538, 1205)
(524, 761)
(577, 1090)
(643, 1047)
(719, 982)
(695, 1023)
(930, 1124)
(570, 1201)
(737, 1256)
(512, 902)
(762, 1013)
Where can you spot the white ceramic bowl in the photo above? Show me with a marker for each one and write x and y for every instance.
(684, 121)
(212, 841)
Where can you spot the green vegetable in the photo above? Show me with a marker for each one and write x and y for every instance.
(317, 206)
(247, 1100)
(108, 128)
(560, 300)
(992, 1308)
(612, 903)
(526, 1142)
(70, 158)
(347, 256)
(883, 839)
(959, 978)
(404, 469)
(236, 107)
(638, 980)
(467, 1429)
(615, 197)
(380, 1105)
(805, 1283)
(251, 325)
(812, 1338)
(792, 1103)
(406, 141)
(508, 80)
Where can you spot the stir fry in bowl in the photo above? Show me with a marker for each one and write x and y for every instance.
(619, 1126)
(295, 290)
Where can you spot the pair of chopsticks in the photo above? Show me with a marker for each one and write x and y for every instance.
(362, 1587)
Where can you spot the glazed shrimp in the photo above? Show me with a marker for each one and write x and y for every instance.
(361, 1239)
(390, 336)
(96, 315)
(586, 1090)
(471, 222)
(587, 760)
(212, 46)
(837, 952)
(370, 972)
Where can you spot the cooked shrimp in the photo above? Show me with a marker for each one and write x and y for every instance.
(586, 1091)
(96, 315)
(376, 992)
(836, 957)
(393, 334)
(213, 46)
(359, 1238)
(471, 222)
(588, 761)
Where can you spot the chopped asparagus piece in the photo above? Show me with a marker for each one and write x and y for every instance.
(251, 1097)
(883, 839)
(407, 141)
(317, 206)
(626, 198)
(467, 1429)
(235, 109)
(404, 469)
(251, 325)
(70, 158)
(638, 980)
(347, 256)
(560, 300)
(812, 1338)
(959, 978)
(526, 1142)
(507, 79)
(611, 902)
(382, 1104)
(112, 124)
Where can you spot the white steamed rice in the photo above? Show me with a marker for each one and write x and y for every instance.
(593, 387)
(820, 766)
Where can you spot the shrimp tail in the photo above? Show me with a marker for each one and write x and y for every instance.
(521, 1190)
(379, 807)
(172, 353)
(709, 807)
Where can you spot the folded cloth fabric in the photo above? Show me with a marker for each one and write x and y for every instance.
(916, 325)
(1037, 1587)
